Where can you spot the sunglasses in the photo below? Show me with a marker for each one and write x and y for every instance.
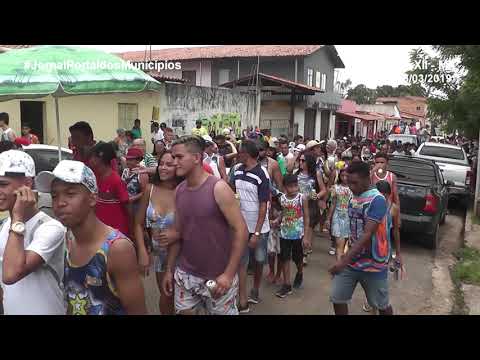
(302, 160)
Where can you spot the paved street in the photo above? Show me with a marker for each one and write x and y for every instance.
(412, 296)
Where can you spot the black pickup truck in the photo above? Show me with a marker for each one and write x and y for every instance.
(423, 196)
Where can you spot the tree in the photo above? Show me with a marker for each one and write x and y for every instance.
(453, 95)
(343, 87)
(362, 95)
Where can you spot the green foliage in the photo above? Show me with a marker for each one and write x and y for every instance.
(475, 220)
(363, 95)
(467, 269)
(454, 103)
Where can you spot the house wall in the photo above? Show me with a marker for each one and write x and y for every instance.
(182, 105)
(203, 71)
(100, 111)
(299, 117)
(320, 61)
(281, 67)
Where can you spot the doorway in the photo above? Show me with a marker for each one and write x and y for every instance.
(31, 113)
(309, 125)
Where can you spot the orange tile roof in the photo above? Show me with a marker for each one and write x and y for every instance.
(228, 51)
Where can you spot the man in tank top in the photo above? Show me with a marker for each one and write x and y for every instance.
(213, 233)
(379, 173)
(101, 271)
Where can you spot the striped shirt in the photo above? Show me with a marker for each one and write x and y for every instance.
(149, 160)
(253, 187)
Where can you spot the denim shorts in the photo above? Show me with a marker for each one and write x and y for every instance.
(374, 284)
(260, 251)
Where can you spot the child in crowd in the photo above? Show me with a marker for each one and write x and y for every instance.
(274, 242)
(337, 220)
(294, 228)
(136, 182)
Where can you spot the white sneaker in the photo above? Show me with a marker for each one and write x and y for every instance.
(332, 251)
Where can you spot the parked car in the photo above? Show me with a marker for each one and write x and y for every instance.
(423, 194)
(454, 164)
(404, 139)
(46, 156)
(46, 159)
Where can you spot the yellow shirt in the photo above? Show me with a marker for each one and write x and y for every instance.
(199, 132)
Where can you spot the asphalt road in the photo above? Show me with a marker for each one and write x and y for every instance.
(411, 296)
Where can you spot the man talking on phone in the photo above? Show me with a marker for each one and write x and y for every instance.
(31, 243)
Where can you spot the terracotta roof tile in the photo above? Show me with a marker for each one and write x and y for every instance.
(229, 51)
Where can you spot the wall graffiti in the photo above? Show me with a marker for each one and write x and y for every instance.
(216, 123)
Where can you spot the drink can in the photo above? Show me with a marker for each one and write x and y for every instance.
(211, 285)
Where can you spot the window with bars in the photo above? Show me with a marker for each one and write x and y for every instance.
(317, 79)
(310, 77)
(127, 113)
(324, 82)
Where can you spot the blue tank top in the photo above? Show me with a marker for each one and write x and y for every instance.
(155, 220)
(89, 290)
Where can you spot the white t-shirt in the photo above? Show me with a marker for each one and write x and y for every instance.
(158, 136)
(39, 293)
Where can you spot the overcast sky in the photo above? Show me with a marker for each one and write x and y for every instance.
(372, 65)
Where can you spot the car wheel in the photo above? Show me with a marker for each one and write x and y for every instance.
(432, 240)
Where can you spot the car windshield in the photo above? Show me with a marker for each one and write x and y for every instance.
(442, 152)
(46, 160)
(414, 171)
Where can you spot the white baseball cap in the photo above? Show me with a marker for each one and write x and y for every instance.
(208, 139)
(299, 148)
(70, 171)
(16, 162)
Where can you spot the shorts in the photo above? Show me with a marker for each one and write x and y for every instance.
(274, 242)
(340, 225)
(375, 286)
(291, 250)
(191, 292)
(159, 257)
(260, 252)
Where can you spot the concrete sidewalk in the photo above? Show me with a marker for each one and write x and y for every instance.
(472, 239)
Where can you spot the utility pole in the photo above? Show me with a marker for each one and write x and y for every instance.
(259, 95)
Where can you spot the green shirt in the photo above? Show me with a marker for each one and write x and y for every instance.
(282, 164)
(136, 133)
(149, 160)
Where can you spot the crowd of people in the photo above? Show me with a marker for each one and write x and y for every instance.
(199, 210)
